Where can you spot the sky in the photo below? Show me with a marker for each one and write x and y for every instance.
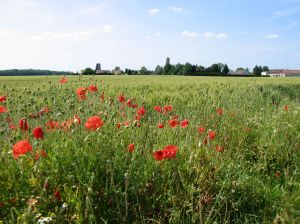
(71, 35)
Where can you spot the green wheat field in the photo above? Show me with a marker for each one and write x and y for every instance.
(136, 149)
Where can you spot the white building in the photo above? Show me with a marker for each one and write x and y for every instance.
(282, 73)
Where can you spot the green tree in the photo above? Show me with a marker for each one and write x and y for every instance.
(225, 70)
(187, 69)
(257, 70)
(88, 71)
(158, 70)
(167, 67)
(265, 69)
(144, 71)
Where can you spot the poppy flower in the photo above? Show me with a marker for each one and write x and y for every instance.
(119, 125)
(159, 125)
(44, 110)
(169, 151)
(219, 111)
(158, 109)
(219, 148)
(184, 123)
(93, 123)
(121, 98)
(76, 119)
(211, 134)
(286, 108)
(173, 123)
(38, 133)
(102, 97)
(3, 109)
(81, 93)
(23, 124)
(127, 123)
(201, 130)
(63, 80)
(205, 141)
(21, 148)
(57, 195)
(12, 126)
(141, 111)
(50, 125)
(131, 104)
(2, 98)
(167, 108)
(92, 88)
(130, 147)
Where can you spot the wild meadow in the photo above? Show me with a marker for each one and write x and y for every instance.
(151, 149)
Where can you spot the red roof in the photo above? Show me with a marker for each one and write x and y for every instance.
(291, 72)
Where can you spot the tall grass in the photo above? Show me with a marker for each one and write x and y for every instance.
(254, 180)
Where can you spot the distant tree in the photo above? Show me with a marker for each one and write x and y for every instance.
(88, 71)
(144, 71)
(257, 70)
(240, 68)
(265, 69)
(167, 67)
(200, 68)
(187, 69)
(158, 70)
(225, 70)
(216, 68)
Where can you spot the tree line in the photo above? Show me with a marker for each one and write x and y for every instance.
(32, 72)
(189, 69)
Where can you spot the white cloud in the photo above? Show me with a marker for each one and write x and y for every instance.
(221, 35)
(107, 29)
(212, 35)
(153, 11)
(190, 34)
(175, 9)
(272, 36)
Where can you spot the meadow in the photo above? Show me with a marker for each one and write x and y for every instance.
(149, 149)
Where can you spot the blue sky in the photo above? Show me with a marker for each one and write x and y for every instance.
(74, 34)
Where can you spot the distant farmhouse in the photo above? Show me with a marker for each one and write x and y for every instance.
(116, 71)
(239, 72)
(282, 73)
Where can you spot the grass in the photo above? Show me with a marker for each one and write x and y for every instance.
(255, 179)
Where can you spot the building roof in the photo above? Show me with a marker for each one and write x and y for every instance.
(284, 71)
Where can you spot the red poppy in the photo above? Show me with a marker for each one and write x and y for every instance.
(2, 98)
(167, 108)
(158, 109)
(92, 88)
(173, 123)
(219, 111)
(184, 123)
(50, 125)
(13, 127)
(41, 153)
(169, 151)
(102, 97)
(23, 124)
(76, 119)
(211, 134)
(159, 125)
(205, 141)
(81, 93)
(21, 148)
(44, 110)
(121, 98)
(3, 109)
(63, 80)
(38, 132)
(131, 104)
(119, 125)
(66, 125)
(57, 195)
(93, 123)
(130, 147)
(201, 130)
(286, 108)
(127, 123)
(219, 148)
(141, 111)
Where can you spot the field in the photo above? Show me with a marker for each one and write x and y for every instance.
(149, 150)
